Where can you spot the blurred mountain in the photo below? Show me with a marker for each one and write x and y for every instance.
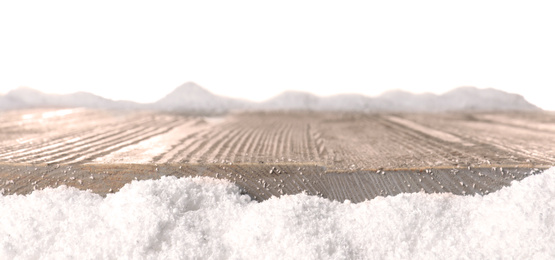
(192, 98)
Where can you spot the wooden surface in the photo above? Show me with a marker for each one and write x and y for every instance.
(352, 151)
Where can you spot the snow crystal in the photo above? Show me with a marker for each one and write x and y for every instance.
(207, 218)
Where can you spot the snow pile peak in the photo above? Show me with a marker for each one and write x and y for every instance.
(460, 99)
(292, 100)
(24, 97)
(472, 98)
(205, 218)
(192, 97)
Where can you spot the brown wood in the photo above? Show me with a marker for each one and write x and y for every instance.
(342, 155)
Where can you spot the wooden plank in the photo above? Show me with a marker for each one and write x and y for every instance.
(344, 154)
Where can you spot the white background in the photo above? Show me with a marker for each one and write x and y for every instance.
(142, 50)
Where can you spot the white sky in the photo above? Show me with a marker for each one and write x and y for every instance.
(139, 50)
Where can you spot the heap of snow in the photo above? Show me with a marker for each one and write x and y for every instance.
(471, 98)
(191, 97)
(353, 102)
(460, 99)
(24, 97)
(303, 101)
(292, 100)
(399, 100)
(201, 218)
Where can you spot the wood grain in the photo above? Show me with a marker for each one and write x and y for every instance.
(340, 156)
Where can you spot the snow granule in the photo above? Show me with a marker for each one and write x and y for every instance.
(204, 218)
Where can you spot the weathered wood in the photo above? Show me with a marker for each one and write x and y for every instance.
(262, 181)
(341, 155)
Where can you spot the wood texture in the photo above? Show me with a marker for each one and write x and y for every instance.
(341, 155)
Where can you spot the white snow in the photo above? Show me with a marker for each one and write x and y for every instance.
(193, 98)
(459, 99)
(24, 97)
(206, 218)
